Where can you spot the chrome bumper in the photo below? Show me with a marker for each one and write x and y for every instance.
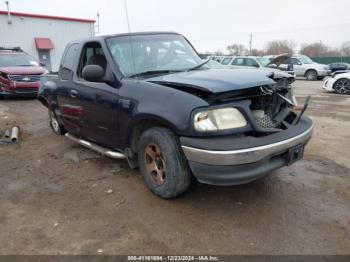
(246, 155)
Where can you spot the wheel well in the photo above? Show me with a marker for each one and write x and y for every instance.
(139, 128)
(43, 101)
(310, 70)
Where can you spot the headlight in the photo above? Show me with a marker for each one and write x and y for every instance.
(219, 119)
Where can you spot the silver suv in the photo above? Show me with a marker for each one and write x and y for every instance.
(271, 64)
(303, 66)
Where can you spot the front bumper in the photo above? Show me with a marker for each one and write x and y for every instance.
(239, 160)
(323, 73)
(32, 92)
(328, 84)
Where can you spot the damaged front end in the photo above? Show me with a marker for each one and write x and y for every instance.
(267, 108)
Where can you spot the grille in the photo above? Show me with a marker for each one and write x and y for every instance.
(24, 78)
(265, 122)
(26, 90)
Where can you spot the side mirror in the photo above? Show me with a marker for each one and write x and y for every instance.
(256, 65)
(42, 64)
(299, 63)
(93, 73)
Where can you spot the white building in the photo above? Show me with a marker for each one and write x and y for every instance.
(42, 36)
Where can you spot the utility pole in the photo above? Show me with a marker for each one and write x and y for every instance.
(9, 21)
(97, 25)
(250, 43)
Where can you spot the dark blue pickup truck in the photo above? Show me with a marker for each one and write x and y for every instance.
(149, 98)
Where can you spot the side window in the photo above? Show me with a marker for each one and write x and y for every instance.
(92, 54)
(251, 62)
(68, 61)
(226, 61)
(294, 61)
(238, 61)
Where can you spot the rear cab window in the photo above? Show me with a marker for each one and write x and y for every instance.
(68, 61)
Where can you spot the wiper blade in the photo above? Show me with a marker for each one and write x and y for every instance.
(198, 66)
(154, 72)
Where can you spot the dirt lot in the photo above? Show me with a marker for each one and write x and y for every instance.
(55, 197)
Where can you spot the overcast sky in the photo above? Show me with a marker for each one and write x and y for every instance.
(211, 24)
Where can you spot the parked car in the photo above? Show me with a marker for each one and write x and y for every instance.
(338, 82)
(216, 58)
(269, 64)
(19, 73)
(304, 67)
(172, 115)
(339, 67)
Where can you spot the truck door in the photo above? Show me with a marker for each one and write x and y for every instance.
(97, 100)
(70, 112)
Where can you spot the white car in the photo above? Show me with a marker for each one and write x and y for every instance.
(338, 82)
(303, 66)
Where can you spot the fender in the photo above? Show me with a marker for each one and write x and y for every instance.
(142, 100)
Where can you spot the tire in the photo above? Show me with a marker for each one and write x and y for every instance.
(56, 127)
(311, 75)
(342, 86)
(162, 163)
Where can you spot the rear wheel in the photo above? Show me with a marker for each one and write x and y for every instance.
(56, 127)
(342, 86)
(311, 75)
(162, 163)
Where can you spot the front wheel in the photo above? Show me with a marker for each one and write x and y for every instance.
(162, 163)
(56, 127)
(311, 75)
(342, 86)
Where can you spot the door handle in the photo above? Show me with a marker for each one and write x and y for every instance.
(73, 93)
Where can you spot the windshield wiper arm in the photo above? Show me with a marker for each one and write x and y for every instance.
(154, 72)
(198, 66)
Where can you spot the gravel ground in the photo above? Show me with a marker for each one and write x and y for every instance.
(57, 197)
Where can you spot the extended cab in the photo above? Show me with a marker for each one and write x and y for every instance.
(149, 98)
(19, 73)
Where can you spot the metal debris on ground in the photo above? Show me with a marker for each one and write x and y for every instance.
(9, 136)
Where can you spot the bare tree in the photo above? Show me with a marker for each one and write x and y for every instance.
(236, 49)
(218, 52)
(318, 49)
(345, 48)
(257, 52)
(279, 47)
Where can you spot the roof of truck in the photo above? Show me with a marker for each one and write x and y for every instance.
(100, 37)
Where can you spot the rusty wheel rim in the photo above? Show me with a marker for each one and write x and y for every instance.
(155, 163)
(54, 122)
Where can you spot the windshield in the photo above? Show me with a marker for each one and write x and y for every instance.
(17, 59)
(305, 60)
(263, 60)
(143, 53)
(226, 61)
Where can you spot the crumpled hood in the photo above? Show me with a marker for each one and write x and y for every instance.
(279, 59)
(216, 80)
(23, 70)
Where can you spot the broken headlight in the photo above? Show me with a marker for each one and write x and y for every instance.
(219, 119)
